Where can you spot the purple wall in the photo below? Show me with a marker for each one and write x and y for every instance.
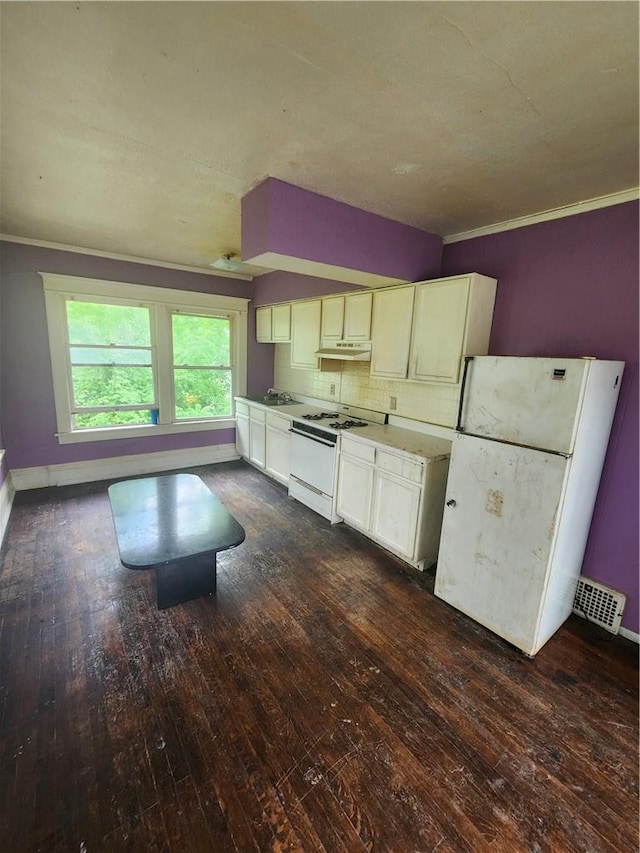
(283, 286)
(27, 404)
(279, 217)
(570, 288)
(567, 287)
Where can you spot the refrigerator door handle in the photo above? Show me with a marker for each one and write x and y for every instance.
(467, 360)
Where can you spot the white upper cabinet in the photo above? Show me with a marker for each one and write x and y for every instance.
(281, 323)
(332, 318)
(419, 331)
(391, 332)
(346, 318)
(305, 333)
(357, 316)
(263, 325)
(273, 324)
(451, 318)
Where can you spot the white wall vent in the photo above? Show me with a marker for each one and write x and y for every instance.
(600, 604)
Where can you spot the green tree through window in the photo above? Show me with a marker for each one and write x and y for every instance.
(113, 369)
(111, 364)
(201, 366)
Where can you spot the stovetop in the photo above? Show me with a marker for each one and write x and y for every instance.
(321, 416)
(348, 418)
(348, 424)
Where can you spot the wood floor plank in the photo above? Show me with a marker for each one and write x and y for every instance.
(322, 701)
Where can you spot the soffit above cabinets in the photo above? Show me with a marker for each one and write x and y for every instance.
(292, 229)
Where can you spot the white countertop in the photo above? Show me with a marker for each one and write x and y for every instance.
(416, 443)
(408, 441)
(294, 410)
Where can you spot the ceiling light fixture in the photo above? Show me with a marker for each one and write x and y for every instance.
(227, 263)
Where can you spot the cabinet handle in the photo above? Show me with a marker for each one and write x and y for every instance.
(451, 502)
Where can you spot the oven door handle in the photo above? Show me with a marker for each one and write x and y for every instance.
(313, 438)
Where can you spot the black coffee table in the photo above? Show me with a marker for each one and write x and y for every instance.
(175, 525)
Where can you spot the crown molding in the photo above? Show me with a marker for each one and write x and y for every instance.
(547, 215)
(621, 197)
(114, 256)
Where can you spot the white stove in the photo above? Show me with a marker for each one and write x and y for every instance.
(314, 449)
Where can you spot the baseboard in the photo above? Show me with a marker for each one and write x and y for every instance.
(630, 635)
(7, 493)
(120, 466)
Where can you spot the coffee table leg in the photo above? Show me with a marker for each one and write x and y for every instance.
(183, 580)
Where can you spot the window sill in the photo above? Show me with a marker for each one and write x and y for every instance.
(142, 431)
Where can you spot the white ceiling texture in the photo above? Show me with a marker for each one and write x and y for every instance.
(136, 127)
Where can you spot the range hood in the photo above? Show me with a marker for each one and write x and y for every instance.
(345, 350)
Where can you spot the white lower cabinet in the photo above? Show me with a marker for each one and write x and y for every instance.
(242, 429)
(355, 491)
(257, 436)
(395, 498)
(277, 447)
(394, 520)
(262, 438)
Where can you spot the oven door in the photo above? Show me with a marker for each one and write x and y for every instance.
(313, 462)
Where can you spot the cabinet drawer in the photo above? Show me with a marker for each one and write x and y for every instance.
(278, 422)
(242, 409)
(258, 415)
(408, 469)
(358, 450)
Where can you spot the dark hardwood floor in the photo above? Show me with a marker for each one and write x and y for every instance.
(323, 700)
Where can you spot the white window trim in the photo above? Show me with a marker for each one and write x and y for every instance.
(57, 288)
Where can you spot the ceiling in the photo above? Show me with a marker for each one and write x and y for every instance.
(136, 128)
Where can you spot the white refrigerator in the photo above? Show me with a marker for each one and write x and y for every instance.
(523, 478)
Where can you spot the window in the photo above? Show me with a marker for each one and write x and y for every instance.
(111, 364)
(131, 359)
(202, 376)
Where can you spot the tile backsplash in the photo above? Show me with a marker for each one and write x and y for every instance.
(351, 384)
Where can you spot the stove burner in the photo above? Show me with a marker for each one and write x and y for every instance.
(320, 416)
(347, 424)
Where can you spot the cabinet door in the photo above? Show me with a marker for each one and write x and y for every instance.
(394, 520)
(439, 320)
(257, 443)
(305, 333)
(391, 332)
(242, 435)
(263, 325)
(332, 318)
(357, 317)
(277, 453)
(281, 323)
(355, 486)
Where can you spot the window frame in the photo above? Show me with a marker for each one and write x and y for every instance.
(163, 302)
(173, 366)
(74, 409)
